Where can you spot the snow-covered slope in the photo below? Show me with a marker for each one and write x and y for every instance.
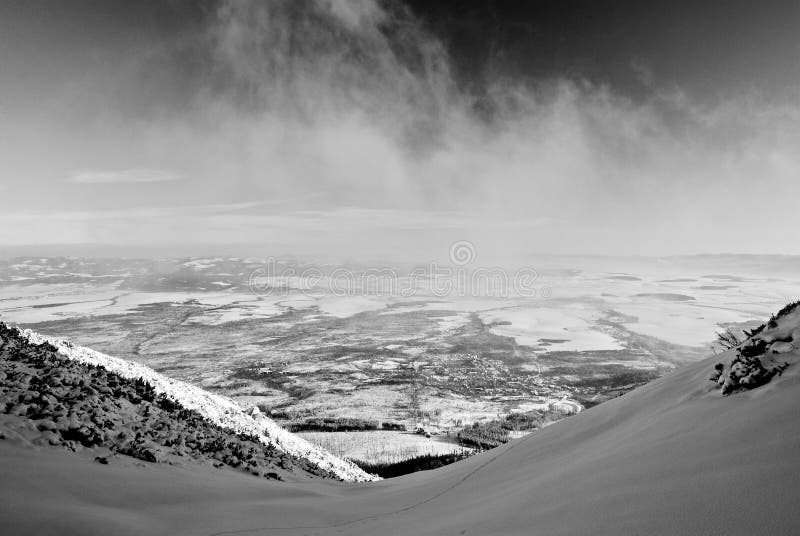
(218, 409)
(672, 457)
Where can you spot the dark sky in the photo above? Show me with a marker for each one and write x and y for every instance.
(603, 126)
(705, 47)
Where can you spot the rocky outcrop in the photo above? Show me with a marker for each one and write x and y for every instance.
(756, 358)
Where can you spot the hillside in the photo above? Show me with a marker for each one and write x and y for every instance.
(673, 457)
(59, 394)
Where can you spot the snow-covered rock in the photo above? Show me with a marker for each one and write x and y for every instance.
(218, 409)
(779, 347)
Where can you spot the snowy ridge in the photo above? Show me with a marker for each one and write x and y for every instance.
(218, 409)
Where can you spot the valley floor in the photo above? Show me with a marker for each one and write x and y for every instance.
(307, 350)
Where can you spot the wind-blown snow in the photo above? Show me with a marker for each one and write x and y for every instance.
(218, 409)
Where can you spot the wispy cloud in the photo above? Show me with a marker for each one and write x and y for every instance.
(339, 126)
(106, 176)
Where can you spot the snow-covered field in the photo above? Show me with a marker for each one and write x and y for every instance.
(381, 446)
(568, 317)
(569, 328)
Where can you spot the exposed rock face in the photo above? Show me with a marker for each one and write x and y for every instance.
(755, 363)
(47, 400)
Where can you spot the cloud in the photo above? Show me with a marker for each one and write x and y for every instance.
(340, 126)
(643, 72)
(123, 176)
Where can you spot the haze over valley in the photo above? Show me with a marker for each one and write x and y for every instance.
(352, 345)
